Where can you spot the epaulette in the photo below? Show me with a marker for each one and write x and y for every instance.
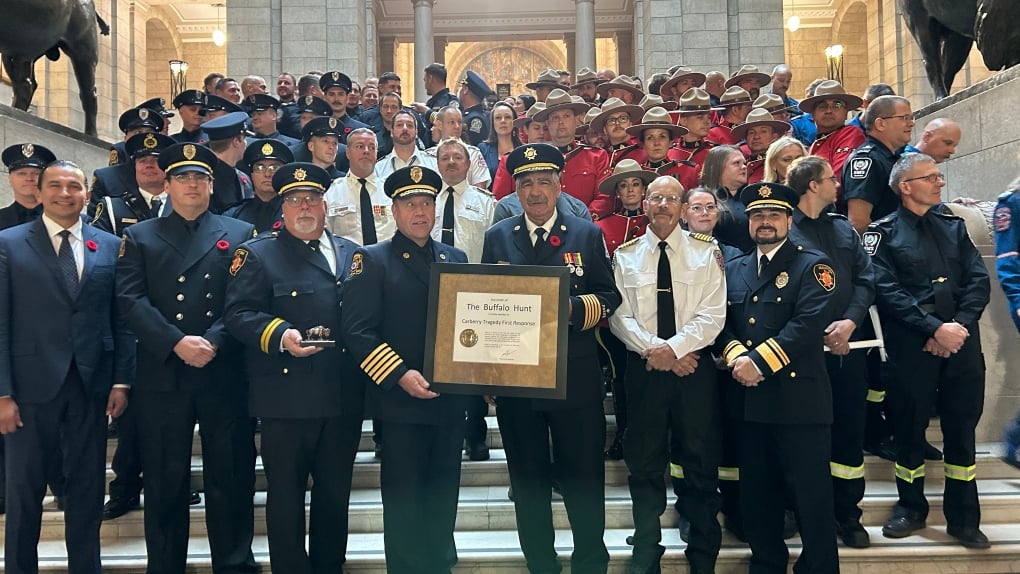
(485, 192)
(262, 237)
(947, 214)
(882, 221)
(702, 237)
(866, 147)
(628, 243)
(833, 215)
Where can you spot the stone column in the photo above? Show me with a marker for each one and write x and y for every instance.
(584, 30)
(439, 50)
(387, 47)
(424, 49)
(570, 40)
(625, 54)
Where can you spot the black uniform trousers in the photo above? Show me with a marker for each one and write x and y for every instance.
(578, 439)
(419, 517)
(127, 458)
(74, 422)
(849, 407)
(615, 352)
(961, 388)
(689, 408)
(293, 450)
(475, 430)
(166, 424)
(790, 458)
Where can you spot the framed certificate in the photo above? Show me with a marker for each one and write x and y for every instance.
(498, 330)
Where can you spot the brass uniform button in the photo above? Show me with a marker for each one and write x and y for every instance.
(751, 320)
(285, 371)
(181, 279)
(755, 298)
(180, 296)
(793, 374)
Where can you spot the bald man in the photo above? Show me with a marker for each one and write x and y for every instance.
(715, 85)
(939, 139)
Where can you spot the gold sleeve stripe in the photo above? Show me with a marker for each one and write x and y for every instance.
(779, 351)
(766, 352)
(374, 356)
(267, 334)
(380, 363)
(387, 369)
(592, 311)
(733, 350)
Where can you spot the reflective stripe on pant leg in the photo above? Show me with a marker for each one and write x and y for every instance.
(907, 475)
(731, 473)
(876, 396)
(964, 473)
(847, 472)
(676, 470)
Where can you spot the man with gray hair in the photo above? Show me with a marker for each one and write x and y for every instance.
(932, 288)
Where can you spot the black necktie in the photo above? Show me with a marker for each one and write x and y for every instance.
(664, 291)
(68, 268)
(154, 207)
(367, 218)
(762, 264)
(448, 218)
(539, 238)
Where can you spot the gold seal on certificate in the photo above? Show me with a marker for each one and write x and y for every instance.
(468, 338)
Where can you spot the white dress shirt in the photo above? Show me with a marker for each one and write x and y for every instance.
(546, 225)
(391, 163)
(343, 209)
(699, 292)
(478, 171)
(472, 216)
(53, 230)
(326, 248)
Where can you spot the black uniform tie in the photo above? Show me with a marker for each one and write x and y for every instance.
(664, 292)
(68, 268)
(154, 207)
(448, 217)
(762, 264)
(367, 218)
(539, 238)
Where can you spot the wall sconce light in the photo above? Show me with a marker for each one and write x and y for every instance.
(178, 77)
(793, 22)
(834, 59)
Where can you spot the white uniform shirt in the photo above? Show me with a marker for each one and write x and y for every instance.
(472, 215)
(391, 163)
(343, 209)
(699, 292)
(478, 171)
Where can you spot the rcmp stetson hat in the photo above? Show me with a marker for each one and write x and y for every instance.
(183, 157)
(582, 128)
(768, 195)
(140, 118)
(772, 103)
(301, 176)
(534, 157)
(189, 98)
(549, 79)
(322, 127)
(651, 100)
(657, 118)
(313, 105)
(680, 74)
(615, 106)
(157, 104)
(259, 102)
(335, 79)
(760, 117)
(528, 116)
(226, 126)
(261, 149)
(696, 101)
(627, 168)
(412, 180)
(621, 82)
(215, 103)
(830, 90)
(748, 72)
(147, 144)
(560, 100)
(585, 76)
(18, 156)
(734, 96)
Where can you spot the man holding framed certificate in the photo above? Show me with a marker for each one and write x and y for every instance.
(545, 236)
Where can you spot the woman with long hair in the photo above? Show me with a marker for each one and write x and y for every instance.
(502, 136)
(780, 155)
(725, 171)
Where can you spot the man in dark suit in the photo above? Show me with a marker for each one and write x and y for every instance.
(58, 386)
(285, 284)
(543, 235)
(383, 323)
(778, 306)
(172, 275)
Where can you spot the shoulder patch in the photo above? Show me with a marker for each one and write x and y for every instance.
(870, 241)
(825, 276)
(114, 157)
(240, 256)
(475, 125)
(702, 237)
(356, 265)
(859, 167)
(719, 259)
(99, 212)
(1002, 218)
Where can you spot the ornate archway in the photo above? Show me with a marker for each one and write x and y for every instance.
(850, 28)
(514, 63)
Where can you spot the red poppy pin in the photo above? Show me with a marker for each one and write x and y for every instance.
(91, 245)
(278, 225)
(554, 240)
(222, 245)
(347, 130)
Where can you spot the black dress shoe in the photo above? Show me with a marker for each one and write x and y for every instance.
(117, 507)
(685, 529)
(615, 450)
(930, 452)
(646, 561)
(901, 527)
(853, 534)
(969, 537)
(195, 498)
(478, 451)
(789, 525)
(883, 449)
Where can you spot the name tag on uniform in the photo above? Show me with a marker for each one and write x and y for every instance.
(473, 208)
(128, 220)
(339, 210)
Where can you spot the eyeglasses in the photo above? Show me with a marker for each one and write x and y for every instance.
(904, 117)
(830, 106)
(309, 200)
(264, 168)
(669, 199)
(621, 120)
(699, 209)
(191, 177)
(930, 178)
(831, 178)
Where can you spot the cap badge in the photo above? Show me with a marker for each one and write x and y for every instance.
(143, 114)
(332, 122)
(300, 174)
(199, 95)
(189, 152)
(28, 150)
(150, 142)
(309, 99)
(336, 76)
(765, 191)
(530, 154)
(416, 174)
(267, 148)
